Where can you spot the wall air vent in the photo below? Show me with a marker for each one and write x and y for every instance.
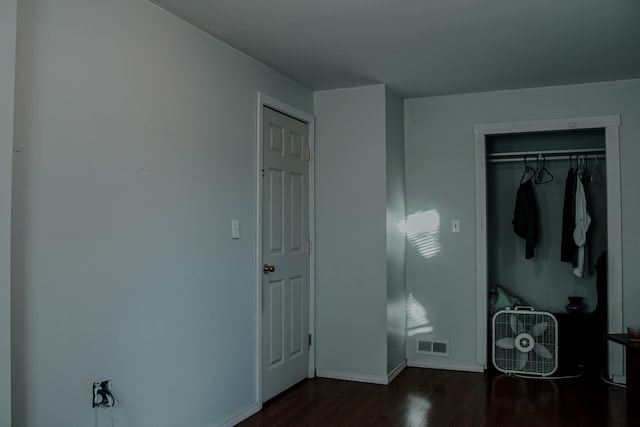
(434, 348)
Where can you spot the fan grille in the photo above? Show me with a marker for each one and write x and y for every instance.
(509, 360)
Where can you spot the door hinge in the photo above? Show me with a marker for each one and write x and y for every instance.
(310, 340)
(307, 154)
(308, 247)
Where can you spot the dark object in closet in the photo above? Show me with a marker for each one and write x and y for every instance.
(525, 217)
(576, 305)
(582, 342)
(582, 336)
(601, 286)
(600, 312)
(577, 339)
(568, 248)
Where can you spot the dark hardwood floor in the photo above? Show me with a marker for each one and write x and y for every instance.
(426, 397)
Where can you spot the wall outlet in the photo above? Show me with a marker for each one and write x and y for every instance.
(101, 395)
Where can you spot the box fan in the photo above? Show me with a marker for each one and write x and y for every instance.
(525, 341)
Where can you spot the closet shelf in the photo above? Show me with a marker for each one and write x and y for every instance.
(519, 156)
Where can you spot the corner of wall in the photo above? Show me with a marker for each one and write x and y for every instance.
(351, 322)
(396, 239)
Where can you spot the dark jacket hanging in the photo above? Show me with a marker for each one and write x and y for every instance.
(525, 217)
(568, 248)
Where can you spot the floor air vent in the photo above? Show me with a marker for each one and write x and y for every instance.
(436, 348)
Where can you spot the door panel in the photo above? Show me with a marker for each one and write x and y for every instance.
(276, 212)
(276, 323)
(285, 228)
(297, 222)
(297, 302)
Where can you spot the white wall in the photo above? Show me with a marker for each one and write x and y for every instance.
(351, 258)
(7, 75)
(360, 250)
(136, 138)
(396, 287)
(440, 174)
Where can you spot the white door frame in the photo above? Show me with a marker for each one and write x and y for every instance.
(611, 126)
(265, 100)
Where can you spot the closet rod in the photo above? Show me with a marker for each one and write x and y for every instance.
(549, 158)
(518, 156)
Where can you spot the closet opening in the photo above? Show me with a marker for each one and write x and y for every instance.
(547, 270)
(542, 152)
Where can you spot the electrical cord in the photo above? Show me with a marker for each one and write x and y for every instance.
(613, 383)
(568, 377)
(95, 420)
(562, 377)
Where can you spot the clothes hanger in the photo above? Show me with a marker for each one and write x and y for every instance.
(596, 176)
(586, 173)
(583, 171)
(579, 165)
(543, 176)
(527, 170)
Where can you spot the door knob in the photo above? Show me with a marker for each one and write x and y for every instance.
(268, 269)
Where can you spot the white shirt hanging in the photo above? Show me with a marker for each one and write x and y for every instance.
(583, 220)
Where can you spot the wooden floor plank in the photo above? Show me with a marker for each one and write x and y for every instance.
(434, 398)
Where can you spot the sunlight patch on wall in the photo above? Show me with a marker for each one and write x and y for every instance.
(417, 320)
(423, 231)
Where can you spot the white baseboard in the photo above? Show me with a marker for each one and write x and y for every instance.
(396, 371)
(240, 416)
(448, 367)
(351, 376)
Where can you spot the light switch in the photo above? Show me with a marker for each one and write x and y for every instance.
(455, 225)
(235, 229)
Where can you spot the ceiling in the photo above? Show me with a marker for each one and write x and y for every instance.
(429, 47)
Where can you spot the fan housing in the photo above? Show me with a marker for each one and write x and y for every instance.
(525, 341)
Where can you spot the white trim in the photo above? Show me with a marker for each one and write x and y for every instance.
(266, 100)
(396, 371)
(611, 124)
(614, 250)
(259, 251)
(240, 416)
(362, 378)
(284, 108)
(481, 253)
(593, 122)
(312, 237)
(445, 366)
(352, 376)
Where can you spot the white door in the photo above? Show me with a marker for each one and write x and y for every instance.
(285, 236)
